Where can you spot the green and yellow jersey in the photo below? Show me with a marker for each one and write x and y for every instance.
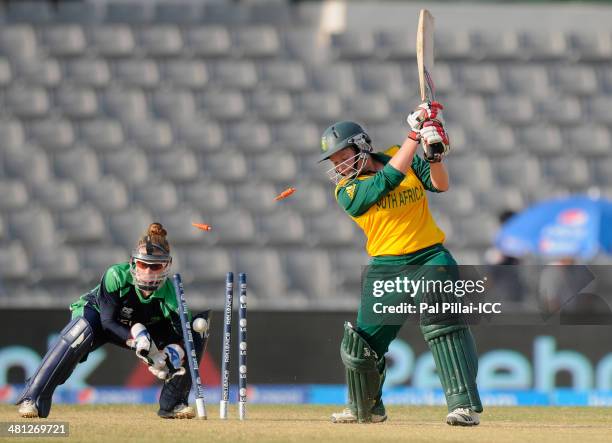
(391, 207)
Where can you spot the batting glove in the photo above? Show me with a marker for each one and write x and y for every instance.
(435, 141)
(425, 111)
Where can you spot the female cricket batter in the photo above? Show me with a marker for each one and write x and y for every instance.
(134, 307)
(384, 193)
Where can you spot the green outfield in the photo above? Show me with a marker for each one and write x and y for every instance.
(310, 424)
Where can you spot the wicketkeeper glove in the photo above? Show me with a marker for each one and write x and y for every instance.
(435, 141)
(168, 363)
(140, 341)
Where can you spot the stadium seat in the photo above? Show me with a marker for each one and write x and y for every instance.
(308, 270)
(176, 164)
(80, 164)
(349, 264)
(325, 107)
(181, 73)
(530, 80)
(64, 40)
(178, 224)
(87, 71)
(29, 11)
(133, 12)
(79, 12)
(278, 167)
(83, 225)
(227, 166)
(575, 80)
(56, 195)
(130, 165)
(492, 139)
(160, 41)
(385, 135)
(562, 110)
(54, 264)
(477, 230)
(150, 135)
(207, 265)
(201, 135)
(156, 195)
(40, 72)
(111, 40)
(224, 104)
(310, 198)
(95, 261)
(52, 134)
(265, 272)
(183, 13)
(591, 46)
(337, 78)
(13, 195)
(303, 43)
(281, 227)
(6, 73)
(235, 74)
(541, 139)
(606, 80)
(249, 136)
(125, 104)
(397, 44)
(453, 44)
(235, 226)
(255, 42)
(543, 45)
(27, 102)
(568, 171)
(206, 196)
(602, 168)
(498, 199)
(524, 165)
(464, 110)
(459, 202)
(589, 139)
(481, 78)
(599, 109)
(11, 133)
(128, 226)
(513, 109)
(257, 197)
(34, 226)
(296, 136)
(286, 75)
(384, 78)
(28, 163)
(470, 170)
(350, 45)
(102, 134)
(133, 72)
(14, 265)
(77, 102)
(367, 108)
(108, 194)
(208, 41)
(271, 105)
(331, 229)
(18, 42)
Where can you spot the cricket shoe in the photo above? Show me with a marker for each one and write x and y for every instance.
(463, 417)
(28, 409)
(347, 416)
(180, 411)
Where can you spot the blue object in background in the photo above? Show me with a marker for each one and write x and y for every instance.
(577, 226)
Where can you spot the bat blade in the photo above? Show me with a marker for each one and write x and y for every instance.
(425, 54)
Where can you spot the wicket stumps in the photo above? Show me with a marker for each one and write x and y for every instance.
(189, 347)
(242, 348)
(227, 341)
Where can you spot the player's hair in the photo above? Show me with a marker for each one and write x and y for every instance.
(155, 235)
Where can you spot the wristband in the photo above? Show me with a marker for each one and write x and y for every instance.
(412, 135)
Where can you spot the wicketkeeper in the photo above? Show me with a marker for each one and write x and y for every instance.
(384, 193)
(134, 307)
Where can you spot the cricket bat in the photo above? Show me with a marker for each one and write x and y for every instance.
(425, 64)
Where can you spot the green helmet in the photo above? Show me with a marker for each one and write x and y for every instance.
(341, 135)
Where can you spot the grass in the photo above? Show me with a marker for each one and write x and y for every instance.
(280, 423)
